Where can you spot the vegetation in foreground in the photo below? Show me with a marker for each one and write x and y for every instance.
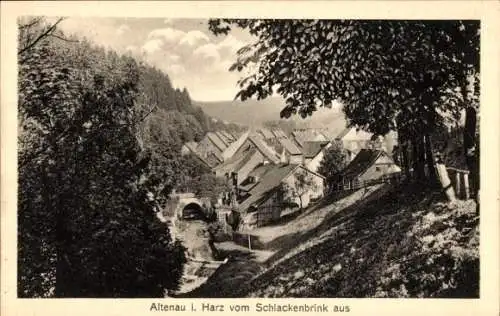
(404, 244)
(99, 153)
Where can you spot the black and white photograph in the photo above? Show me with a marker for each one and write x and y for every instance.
(228, 157)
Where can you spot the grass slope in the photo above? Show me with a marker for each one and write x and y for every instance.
(402, 244)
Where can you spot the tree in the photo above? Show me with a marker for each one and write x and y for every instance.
(302, 184)
(334, 161)
(87, 226)
(373, 67)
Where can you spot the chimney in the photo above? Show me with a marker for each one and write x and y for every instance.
(283, 158)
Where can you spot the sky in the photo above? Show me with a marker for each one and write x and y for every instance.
(183, 48)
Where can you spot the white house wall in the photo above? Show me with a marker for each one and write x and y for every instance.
(311, 194)
(383, 166)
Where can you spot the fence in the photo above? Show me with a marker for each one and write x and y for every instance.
(460, 182)
(356, 184)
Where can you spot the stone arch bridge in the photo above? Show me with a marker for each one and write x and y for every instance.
(191, 207)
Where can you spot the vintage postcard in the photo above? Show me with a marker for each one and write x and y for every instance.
(250, 158)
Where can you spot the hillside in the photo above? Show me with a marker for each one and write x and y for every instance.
(383, 242)
(176, 118)
(257, 112)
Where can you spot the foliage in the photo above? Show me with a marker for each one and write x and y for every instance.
(317, 61)
(444, 263)
(302, 184)
(197, 178)
(87, 221)
(405, 243)
(374, 68)
(334, 161)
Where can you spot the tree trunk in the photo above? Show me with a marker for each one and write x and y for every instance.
(419, 158)
(430, 160)
(471, 145)
(405, 160)
(445, 181)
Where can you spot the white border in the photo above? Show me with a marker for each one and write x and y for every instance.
(486, 11)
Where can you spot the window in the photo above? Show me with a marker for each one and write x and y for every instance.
(378, 169)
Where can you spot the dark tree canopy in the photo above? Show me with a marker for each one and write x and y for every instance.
(99, 145)
(389, 75)
(334, 161)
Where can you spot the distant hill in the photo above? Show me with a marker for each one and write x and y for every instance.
(256, 113)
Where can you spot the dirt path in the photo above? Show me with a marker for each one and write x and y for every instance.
(277, 242)
(242, 266)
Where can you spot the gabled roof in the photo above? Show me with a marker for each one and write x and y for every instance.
(343, 133)
(191, 146)
(257, 173)
(228, 135)
(311, 149)
(216, 141)
(223, 137)
(289, 146)
(211, 160)
(308, 135)
(266, 133)
(235, 163)
(235, 145)
(270, 177)
(268, 183)
(363, 160)
(264, 149)
(278, 133)
(357, 135)
(329, 133)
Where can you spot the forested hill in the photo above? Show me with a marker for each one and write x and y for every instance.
(175, 113)
(99, 143)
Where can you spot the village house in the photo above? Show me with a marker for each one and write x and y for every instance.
(252, 151)
(291, 153)
(212, 149)
(235, 145)
(188, 148)
(266, 134)
(353, 141)
(269, 190)
(314, 153)
(370, 166)
(301, 136)
(209, 159)
(279, 133)
(211, 143)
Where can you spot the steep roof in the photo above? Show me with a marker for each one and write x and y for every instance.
(278, 133)
(223, 137)
(343, 133)
(271, 179)
(257, 173)
(211, 160)
(235, 145)
(308, 135)
(264, 149)
(216, 140)
(228, 135)
(356, 135)
(266, 133)
(191, 146)
(290, 146)
(363, 160)
(311, 149)
(330, 133)
(235, 163)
